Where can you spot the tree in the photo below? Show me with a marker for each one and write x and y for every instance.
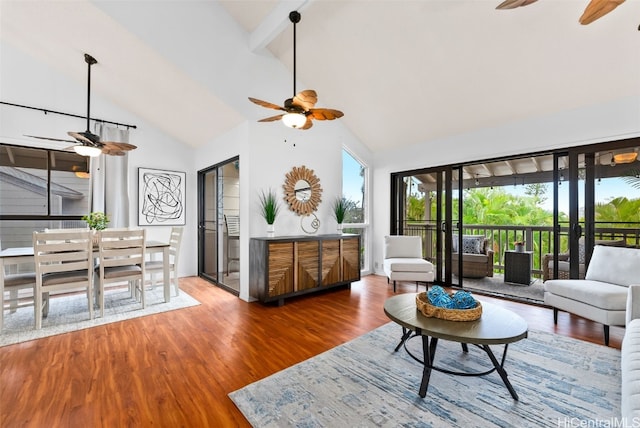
(537, 191)
(415, 208)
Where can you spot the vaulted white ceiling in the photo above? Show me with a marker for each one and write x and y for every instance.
(403, 72)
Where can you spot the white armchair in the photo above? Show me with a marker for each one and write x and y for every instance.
(403, 260)
(602, 295)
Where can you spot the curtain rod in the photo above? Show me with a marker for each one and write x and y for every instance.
(68, 114)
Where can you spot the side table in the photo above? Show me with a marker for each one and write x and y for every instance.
(517, 267)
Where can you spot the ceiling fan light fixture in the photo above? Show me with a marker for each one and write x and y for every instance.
(87, 151)
(625, 157)
(294, 120)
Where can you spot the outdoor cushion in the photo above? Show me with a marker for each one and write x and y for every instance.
(471, 244)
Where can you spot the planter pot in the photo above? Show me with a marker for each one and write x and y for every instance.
(271, 230)
(339, 227)
(519, 248)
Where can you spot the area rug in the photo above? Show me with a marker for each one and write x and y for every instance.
(496, 287)
(69, 313)
(364, 383)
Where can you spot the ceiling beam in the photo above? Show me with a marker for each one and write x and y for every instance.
(511, 166)
(274, 24)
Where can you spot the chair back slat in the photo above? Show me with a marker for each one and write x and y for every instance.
(121, 247)
(122, 253)
(63, 261)
(174, 243)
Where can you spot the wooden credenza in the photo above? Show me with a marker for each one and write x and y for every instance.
(288, 266)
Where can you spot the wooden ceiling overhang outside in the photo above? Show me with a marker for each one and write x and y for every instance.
(532, 169)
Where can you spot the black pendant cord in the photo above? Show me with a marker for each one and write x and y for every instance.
(90, 61)
(295, 18)
(294, 59)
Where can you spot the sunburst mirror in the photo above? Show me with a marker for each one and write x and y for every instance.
(302, 190)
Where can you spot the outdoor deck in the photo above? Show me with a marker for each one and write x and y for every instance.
(496, 287)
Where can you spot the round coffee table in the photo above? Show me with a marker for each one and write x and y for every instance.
(496, 326)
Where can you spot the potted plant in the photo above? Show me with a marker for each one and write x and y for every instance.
(96, 220)
(340, 207)
(269, 208)
(519, 245)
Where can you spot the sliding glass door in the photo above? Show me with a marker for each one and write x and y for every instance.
(219, 224)
(554, 206)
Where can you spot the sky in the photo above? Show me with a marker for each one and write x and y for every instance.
(351, 180)
(606, 189)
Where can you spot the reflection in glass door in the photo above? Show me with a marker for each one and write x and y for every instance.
(219, 224)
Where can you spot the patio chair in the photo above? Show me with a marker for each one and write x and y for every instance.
(477, 256)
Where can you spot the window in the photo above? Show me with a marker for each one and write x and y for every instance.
(40, 189)
(354, 189)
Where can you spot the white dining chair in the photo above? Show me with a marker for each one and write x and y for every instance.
(121, 260)
(155, 267)
(14, 284)
(63, 262)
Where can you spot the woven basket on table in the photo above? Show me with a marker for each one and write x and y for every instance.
(428, 310)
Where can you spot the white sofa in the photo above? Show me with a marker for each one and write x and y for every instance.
(602, 295)
(403, 260)
(630, 364)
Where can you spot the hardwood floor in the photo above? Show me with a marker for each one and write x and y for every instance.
(176, 368)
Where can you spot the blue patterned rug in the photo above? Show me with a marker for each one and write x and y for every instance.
(560, 381)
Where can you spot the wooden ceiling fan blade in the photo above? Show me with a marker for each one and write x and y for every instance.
(272, 118)
(112, 151)
(308, 124)
(306, 99)
(325, 113)
(265, 104)
(597, 9)
(116, 145)
(50, 139)
(512, 4)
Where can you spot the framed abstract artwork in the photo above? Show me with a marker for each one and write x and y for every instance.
(161, 197)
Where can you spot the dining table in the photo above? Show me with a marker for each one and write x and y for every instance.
(20, 255)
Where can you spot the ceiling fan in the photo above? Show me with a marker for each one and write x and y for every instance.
(299, 110)
(89, 144)
(594, 10)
